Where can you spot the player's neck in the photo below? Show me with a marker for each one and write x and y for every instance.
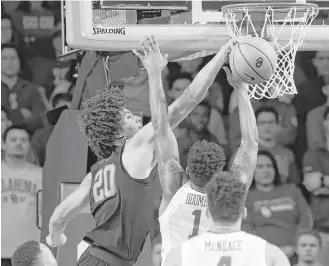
(219, 228)
(196, 188)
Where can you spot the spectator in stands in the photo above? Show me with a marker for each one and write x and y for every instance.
(5, 123)
(196, 129)
(33, 253)
(310, 96)
(316, 181)
(216, 124)
(268, 129)
(36, 24)
(20, 182)
(275, 211)
(314, 121)
(41, 136)
(55, 76)
(177, 85)
(287, 120)
(19, 97)
(191, 66)
(8, 35)
(308, 248)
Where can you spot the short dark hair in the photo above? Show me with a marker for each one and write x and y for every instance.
(267, 109)
(9, 46)
(26, 254)
(311, 232)
(226, 197)
(183, 75)
(203, 160)
(101, 120)
(326, 113)
(277, 178)
(17, 127)
(62, 97)
(205, 104)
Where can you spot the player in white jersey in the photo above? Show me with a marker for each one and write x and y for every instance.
(184, 215)
(224, 244)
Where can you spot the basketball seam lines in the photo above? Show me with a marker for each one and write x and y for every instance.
(238, 72)
(249, 64)
(266, 57)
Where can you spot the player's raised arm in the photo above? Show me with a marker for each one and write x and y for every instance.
(244, 162)
(192, 95)
(66, 211)
(166, 147)
(197, 90)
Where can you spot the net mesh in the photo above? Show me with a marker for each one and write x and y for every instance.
(295, 23)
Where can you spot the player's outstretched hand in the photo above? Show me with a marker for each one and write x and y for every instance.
(153, 60)
(234, 80)
(56, 241)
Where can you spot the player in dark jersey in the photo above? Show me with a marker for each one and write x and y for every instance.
(121, 188)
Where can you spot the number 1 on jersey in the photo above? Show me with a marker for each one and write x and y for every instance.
(196, 224)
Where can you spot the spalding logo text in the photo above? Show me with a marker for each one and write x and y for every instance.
(119, 31)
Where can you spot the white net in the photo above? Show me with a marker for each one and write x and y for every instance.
(291, 22)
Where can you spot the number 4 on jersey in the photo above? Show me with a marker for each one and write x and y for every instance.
(104, 185)
(225, 261)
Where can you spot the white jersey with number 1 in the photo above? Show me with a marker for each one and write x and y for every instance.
(185, 216)
(230, 249)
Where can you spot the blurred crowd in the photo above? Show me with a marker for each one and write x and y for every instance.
(293, 134)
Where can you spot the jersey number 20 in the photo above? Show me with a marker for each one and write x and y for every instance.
(104, 185)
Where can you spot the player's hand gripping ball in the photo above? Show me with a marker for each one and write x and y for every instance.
(55, 242)
(253, 60)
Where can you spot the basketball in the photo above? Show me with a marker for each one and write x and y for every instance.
(254, 60)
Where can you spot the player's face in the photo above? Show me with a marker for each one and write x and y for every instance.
(199, 118)
(308, 249)
(131, 123)
(47, 257)
(9, 62)
(321, 63)
(178, 88)
(17, 143)
(267, 126)
(264, 173)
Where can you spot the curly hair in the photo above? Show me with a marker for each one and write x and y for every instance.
(26, 254)
(101, 121)
(203, 160)
(226, 197)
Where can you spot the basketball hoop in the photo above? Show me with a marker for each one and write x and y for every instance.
(266, 21)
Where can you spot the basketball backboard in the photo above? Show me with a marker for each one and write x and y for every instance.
(178, 25)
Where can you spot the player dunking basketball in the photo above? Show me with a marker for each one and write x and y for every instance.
(121, 187)
(183, 211)
(224, 244)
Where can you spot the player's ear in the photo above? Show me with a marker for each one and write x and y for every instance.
(186, 170)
